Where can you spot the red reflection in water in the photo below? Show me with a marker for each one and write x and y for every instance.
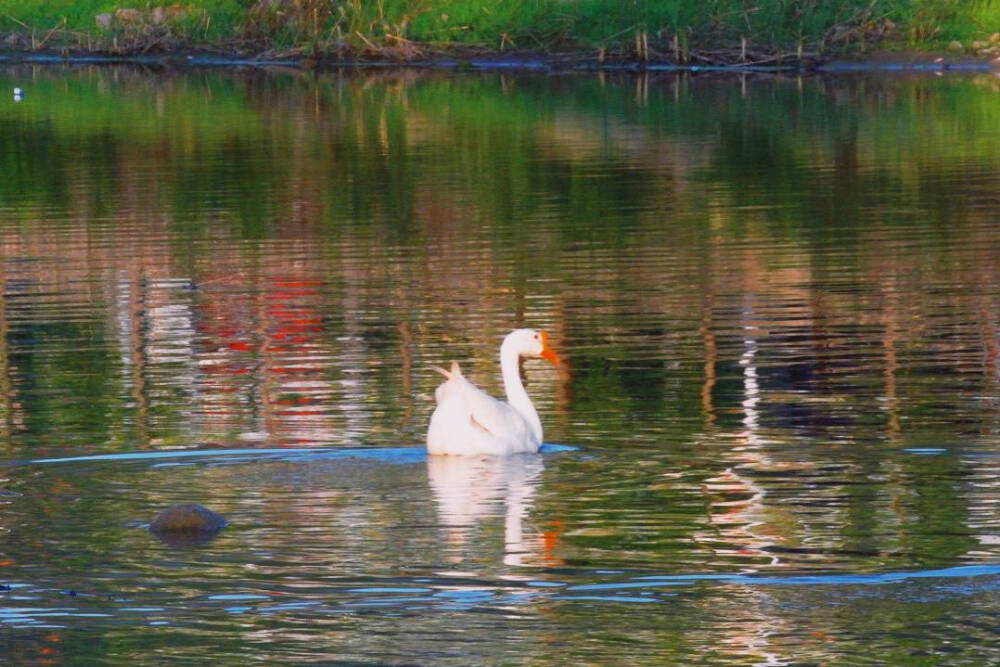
(280, 326)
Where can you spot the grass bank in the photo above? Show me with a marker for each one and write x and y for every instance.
(676, 31)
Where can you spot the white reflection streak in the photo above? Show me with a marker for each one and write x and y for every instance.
(470, 489)
(749, 513)
(354, 354)
(751, 388)
(155, 320)
(753, 506)
(171, 326)
(353, 382)
(123, 300)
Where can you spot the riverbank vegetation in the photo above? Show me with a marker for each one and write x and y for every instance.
(677, 31)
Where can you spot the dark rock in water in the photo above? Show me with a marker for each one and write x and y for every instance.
(190, 516)
(186, 525)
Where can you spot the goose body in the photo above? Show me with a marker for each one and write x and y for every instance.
(468, 422)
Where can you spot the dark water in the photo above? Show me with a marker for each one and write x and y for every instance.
(776, 441)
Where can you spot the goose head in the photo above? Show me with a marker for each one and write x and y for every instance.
(530, 343)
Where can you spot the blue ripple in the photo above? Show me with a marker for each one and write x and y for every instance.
(961, 571)
(397, 455)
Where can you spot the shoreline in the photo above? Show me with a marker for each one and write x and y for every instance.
(604, 35)
(517, 62)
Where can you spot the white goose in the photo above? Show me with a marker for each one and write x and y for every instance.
(470, 422)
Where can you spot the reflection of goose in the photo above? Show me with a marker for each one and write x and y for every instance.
(469, 489)
(468, 421)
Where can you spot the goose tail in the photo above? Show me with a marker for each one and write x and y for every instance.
(454, 373)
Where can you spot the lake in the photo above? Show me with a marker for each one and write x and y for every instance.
(776, 439)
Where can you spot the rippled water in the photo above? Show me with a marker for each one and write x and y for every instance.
(775, 442)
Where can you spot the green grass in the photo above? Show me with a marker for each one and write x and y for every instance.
(333, 26)
(79, 14)
(206, 20)
(937, 21)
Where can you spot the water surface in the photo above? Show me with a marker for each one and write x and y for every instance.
(775, 442)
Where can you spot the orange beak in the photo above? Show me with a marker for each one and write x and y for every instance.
(548, 352)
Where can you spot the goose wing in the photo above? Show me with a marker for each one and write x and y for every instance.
(484, 412)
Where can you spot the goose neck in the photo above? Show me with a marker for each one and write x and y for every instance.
(517, 397)
(510, 368)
